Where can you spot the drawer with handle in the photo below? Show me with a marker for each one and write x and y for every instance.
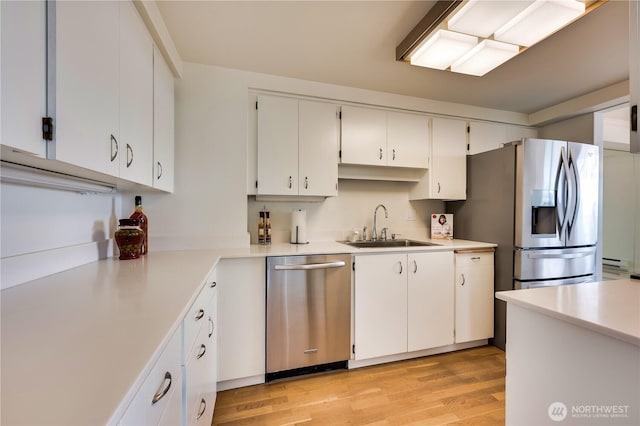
(198, 314)
(157, 389)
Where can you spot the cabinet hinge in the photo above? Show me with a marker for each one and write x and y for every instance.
(47, 128)
(340, 154)
(353, 349)
(256, 184)
(353, 265)
(468, 129)
(256, 104)
(340, 115)
(468, 147)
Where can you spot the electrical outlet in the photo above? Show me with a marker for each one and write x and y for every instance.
(411, 214)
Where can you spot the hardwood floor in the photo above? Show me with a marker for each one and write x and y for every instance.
(459, 388)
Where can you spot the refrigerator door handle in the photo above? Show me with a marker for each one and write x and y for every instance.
(559, 256)
(561, 196)
(575, 201)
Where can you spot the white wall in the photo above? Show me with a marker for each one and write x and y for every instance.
(353, 208)
(45, 231)
(577, 129)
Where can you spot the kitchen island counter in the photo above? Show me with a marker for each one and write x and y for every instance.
(573, 354)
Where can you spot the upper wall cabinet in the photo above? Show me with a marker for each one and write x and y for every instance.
(376, 137)
(102, 99)
(297, 147)
(163, 124)
(447, 177)
(23, 75)
(485, 136)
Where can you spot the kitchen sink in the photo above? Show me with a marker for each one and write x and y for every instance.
(388, 243)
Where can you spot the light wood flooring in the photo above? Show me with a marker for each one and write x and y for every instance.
(459, 388)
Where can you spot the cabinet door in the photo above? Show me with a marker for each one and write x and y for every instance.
(364, 136)
(242, 318)
(319, 135)
(474, 296)
(23, 74)
(407, 140)
(380, 305)
(277, 145)
(163, 124)
(136, 97)
(485, 136)
(86, 91)
(430, 301)
(449, 162)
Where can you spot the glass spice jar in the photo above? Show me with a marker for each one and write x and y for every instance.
(129, 238)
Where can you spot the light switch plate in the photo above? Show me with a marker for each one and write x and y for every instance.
(411, 214)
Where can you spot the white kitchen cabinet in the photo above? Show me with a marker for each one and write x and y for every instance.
(156, 394)
(380, 305)
(404, 302)
(376, 137)
(364, 136)
(23, 74)
(447, 177)
(486, 136)
(241, 318)
(101, 88)
(297, 147)
(430, 300)
(87, 88)
(136, 97)
(200, 355)
(407, 140)
(163, 124)
(474, 295)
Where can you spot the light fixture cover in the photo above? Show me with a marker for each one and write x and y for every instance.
(483, 17)
(442, 49)
(538, 21)
(486, 56)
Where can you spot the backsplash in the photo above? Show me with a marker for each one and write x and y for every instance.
(334, 218)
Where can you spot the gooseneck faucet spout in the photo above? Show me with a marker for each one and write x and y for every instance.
(374, 232)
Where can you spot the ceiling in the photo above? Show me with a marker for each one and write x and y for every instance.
(352, 43)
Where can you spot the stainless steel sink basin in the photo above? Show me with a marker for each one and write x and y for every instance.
(389, 243)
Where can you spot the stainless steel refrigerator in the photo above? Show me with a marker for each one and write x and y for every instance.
(538, 200)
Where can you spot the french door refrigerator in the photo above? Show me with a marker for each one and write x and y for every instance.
(538, 200)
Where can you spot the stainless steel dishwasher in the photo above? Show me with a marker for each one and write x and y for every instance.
(308, 314)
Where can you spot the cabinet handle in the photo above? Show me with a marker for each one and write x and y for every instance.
(463, 279)
(394, 154)
(306, 182)
(211, 328)
(380, 153)
(213, 284)
(114, 142)
(290, 182)
(415, 267)
(201, 352)
(203, 408)
(159, 170)
(129, 158)
(200, 314)
(400, 262)
(162, 391)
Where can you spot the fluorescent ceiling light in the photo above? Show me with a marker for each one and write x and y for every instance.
(484, 17)
(442, 49)
(484, 57)
(538, 21)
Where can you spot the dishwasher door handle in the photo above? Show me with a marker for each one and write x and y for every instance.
(308, 266)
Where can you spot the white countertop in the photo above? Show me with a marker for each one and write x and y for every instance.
(607, 307)
(76, 345)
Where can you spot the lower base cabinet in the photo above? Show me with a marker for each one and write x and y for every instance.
(242, 310)
(403, 303)
(474, 295)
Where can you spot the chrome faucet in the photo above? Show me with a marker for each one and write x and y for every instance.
(374, 232)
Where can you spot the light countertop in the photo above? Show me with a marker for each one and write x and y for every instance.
(607, 307)
(76, 345)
